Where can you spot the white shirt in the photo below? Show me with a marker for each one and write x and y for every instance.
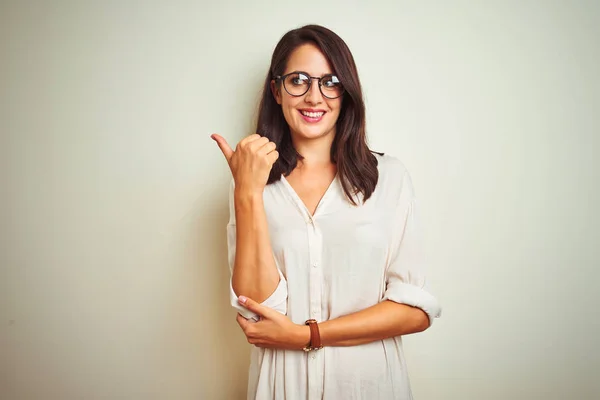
(342, 260)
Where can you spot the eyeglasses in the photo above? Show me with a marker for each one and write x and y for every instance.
(297, 84)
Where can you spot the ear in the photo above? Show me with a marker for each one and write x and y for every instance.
(276, 92)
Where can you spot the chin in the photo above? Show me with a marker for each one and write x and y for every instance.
(312, 133)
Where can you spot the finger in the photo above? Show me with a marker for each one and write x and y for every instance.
(267, 148)
(254, 306)
(223, 145)
(273, 156)
(258, 143)
(265, 345)
(249, 139)
(242, 322)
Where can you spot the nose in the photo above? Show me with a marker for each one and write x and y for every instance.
(313, 96)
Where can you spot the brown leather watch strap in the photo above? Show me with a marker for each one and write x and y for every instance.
(315, 337)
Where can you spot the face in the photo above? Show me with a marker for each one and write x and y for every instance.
(311, 115)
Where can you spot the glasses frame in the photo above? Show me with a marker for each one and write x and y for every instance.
(282, 79)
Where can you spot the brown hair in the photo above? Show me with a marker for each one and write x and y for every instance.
(356, 165)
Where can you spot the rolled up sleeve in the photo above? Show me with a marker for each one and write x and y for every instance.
(405, 274)
(278, 299)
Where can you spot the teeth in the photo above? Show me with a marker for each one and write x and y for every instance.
(312, 114)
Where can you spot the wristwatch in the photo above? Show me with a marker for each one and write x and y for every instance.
(315, 338)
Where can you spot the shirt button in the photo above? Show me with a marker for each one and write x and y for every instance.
(313, 356)
(315, 265)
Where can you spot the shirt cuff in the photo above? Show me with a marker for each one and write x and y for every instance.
(405, 293)
(277, 300)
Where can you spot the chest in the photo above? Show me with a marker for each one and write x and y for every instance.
(337, 225)
(310, 188)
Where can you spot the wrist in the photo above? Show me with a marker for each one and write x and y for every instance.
(302, 336)
(247, 197)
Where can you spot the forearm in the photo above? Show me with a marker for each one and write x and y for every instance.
(255, 274)
(381, 321)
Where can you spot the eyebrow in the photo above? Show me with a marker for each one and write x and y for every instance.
(307, 74)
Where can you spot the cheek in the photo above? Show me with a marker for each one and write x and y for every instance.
(288, 114)
(289, 108)
(289, 102)
(335, 110)
(335, 105)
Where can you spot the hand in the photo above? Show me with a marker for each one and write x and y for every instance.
(273, 330)
(251, 162)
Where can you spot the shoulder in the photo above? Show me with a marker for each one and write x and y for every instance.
(390, 167)
(394, 177)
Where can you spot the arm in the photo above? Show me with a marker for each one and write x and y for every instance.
(406, 306)
(253, 268)
(381, 321)
(254, 273)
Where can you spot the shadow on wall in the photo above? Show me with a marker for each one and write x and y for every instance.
(222, 343)
(219, 344)
(207, 351)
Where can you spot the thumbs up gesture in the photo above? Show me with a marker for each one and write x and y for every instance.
(251, 161)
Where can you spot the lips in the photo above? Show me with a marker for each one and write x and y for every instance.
(312, 115)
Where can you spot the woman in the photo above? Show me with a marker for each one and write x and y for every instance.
(323, 248)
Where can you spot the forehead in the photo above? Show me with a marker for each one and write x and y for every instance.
(308, 58)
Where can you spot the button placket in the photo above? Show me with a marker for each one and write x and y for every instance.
(315, 273)
(315, 358)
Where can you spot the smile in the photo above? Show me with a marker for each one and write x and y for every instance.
(312, 116)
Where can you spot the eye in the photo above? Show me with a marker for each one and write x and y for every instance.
(298, 79)
(331, 81)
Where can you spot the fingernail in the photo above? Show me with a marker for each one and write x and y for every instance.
(242, 299)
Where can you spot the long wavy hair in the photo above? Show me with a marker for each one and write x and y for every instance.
(356, 165)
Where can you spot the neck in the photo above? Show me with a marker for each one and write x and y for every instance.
(316, 152)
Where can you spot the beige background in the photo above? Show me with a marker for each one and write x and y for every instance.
(113, 277)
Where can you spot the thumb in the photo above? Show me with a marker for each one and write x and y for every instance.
(254, 306)
(223, 145)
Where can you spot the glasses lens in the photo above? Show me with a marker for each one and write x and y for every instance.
(331, 86)
(297, 84)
